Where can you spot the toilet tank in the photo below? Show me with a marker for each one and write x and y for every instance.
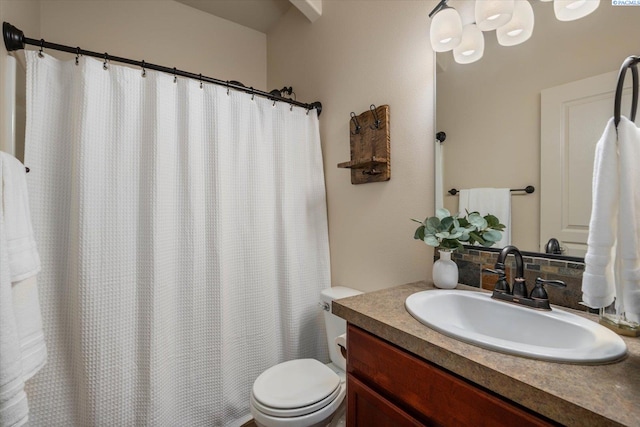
(335, 325)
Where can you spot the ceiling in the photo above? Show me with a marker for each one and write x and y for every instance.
(260, 15)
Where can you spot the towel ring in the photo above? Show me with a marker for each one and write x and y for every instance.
(630, 62)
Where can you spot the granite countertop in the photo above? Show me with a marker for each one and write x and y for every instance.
(575, 395)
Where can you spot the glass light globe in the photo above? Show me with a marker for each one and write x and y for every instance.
(491, 14)
(570, 10)
(446, 30)
(471, 47)
(520, 28)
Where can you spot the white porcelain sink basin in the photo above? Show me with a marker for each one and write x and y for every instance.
(554, 335)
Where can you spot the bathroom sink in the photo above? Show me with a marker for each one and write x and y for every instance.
(556, 335)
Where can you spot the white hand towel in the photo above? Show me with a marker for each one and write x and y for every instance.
(22, 347)
(494, 201)
(629, 220)
(24, 260)
(598, 279)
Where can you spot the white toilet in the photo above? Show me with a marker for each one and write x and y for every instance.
(306, 392)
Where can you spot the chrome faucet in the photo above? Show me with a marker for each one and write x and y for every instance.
(518, 294)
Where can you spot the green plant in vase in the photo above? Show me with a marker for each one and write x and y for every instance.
(448, 232)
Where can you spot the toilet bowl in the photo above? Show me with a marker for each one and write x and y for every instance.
(305, 392)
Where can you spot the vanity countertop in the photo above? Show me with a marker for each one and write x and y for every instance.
(575, 395)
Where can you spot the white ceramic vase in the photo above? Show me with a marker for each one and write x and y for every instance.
(445, 271)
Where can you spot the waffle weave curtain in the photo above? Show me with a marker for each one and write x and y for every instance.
(184, 245)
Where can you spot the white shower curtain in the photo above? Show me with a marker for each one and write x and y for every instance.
(183, 237)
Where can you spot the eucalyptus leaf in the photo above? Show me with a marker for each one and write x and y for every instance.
(492, 236)
(446, 222)
(442, 213)
(455, 235)
(476, 220)
(432, 224)
(476, 237)
(419, 235)
(431, 241)
(492, 220)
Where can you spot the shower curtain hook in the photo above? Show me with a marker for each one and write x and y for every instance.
(253, 95)
(104, 64)
(291, 107)
(274, 103)
(144, 70)
(227, 87)
(200, 80)
(77, 55)
(175, 75)
(40, 53)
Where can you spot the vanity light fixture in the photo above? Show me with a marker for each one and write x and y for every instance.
(471, 47)
(446, 27)
(491, 14)
(570, 10)
(513, 21)
(520, 27)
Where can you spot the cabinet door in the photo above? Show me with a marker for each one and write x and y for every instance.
(366, 408)
(424, 390)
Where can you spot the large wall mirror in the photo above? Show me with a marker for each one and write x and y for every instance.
(491, 111)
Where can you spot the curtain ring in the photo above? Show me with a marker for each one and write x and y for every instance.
(253, 95)
(200, 80)
(227, 87)
(77, 55)
(104, 64)
(308, 109)
(175, 75)
(274, 103)
(291, 107)
(40, 53)
(144, 70)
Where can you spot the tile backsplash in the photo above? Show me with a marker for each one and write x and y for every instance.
(471, 262)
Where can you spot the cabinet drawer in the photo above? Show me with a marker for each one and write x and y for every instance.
(427, 392)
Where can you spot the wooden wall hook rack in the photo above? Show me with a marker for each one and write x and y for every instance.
(370, 146)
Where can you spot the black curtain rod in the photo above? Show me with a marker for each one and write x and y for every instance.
(528, 189)
(14, 39)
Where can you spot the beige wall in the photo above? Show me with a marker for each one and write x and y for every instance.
(490, 110)
(360, 53)
(159, 31)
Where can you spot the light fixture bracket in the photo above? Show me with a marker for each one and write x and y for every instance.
(439, 6)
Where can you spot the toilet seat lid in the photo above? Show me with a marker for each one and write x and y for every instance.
(295, 384)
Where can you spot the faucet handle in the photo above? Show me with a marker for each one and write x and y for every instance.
(539, 292)
(501, 284)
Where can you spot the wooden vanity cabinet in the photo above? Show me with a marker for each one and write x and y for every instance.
(387, 386)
